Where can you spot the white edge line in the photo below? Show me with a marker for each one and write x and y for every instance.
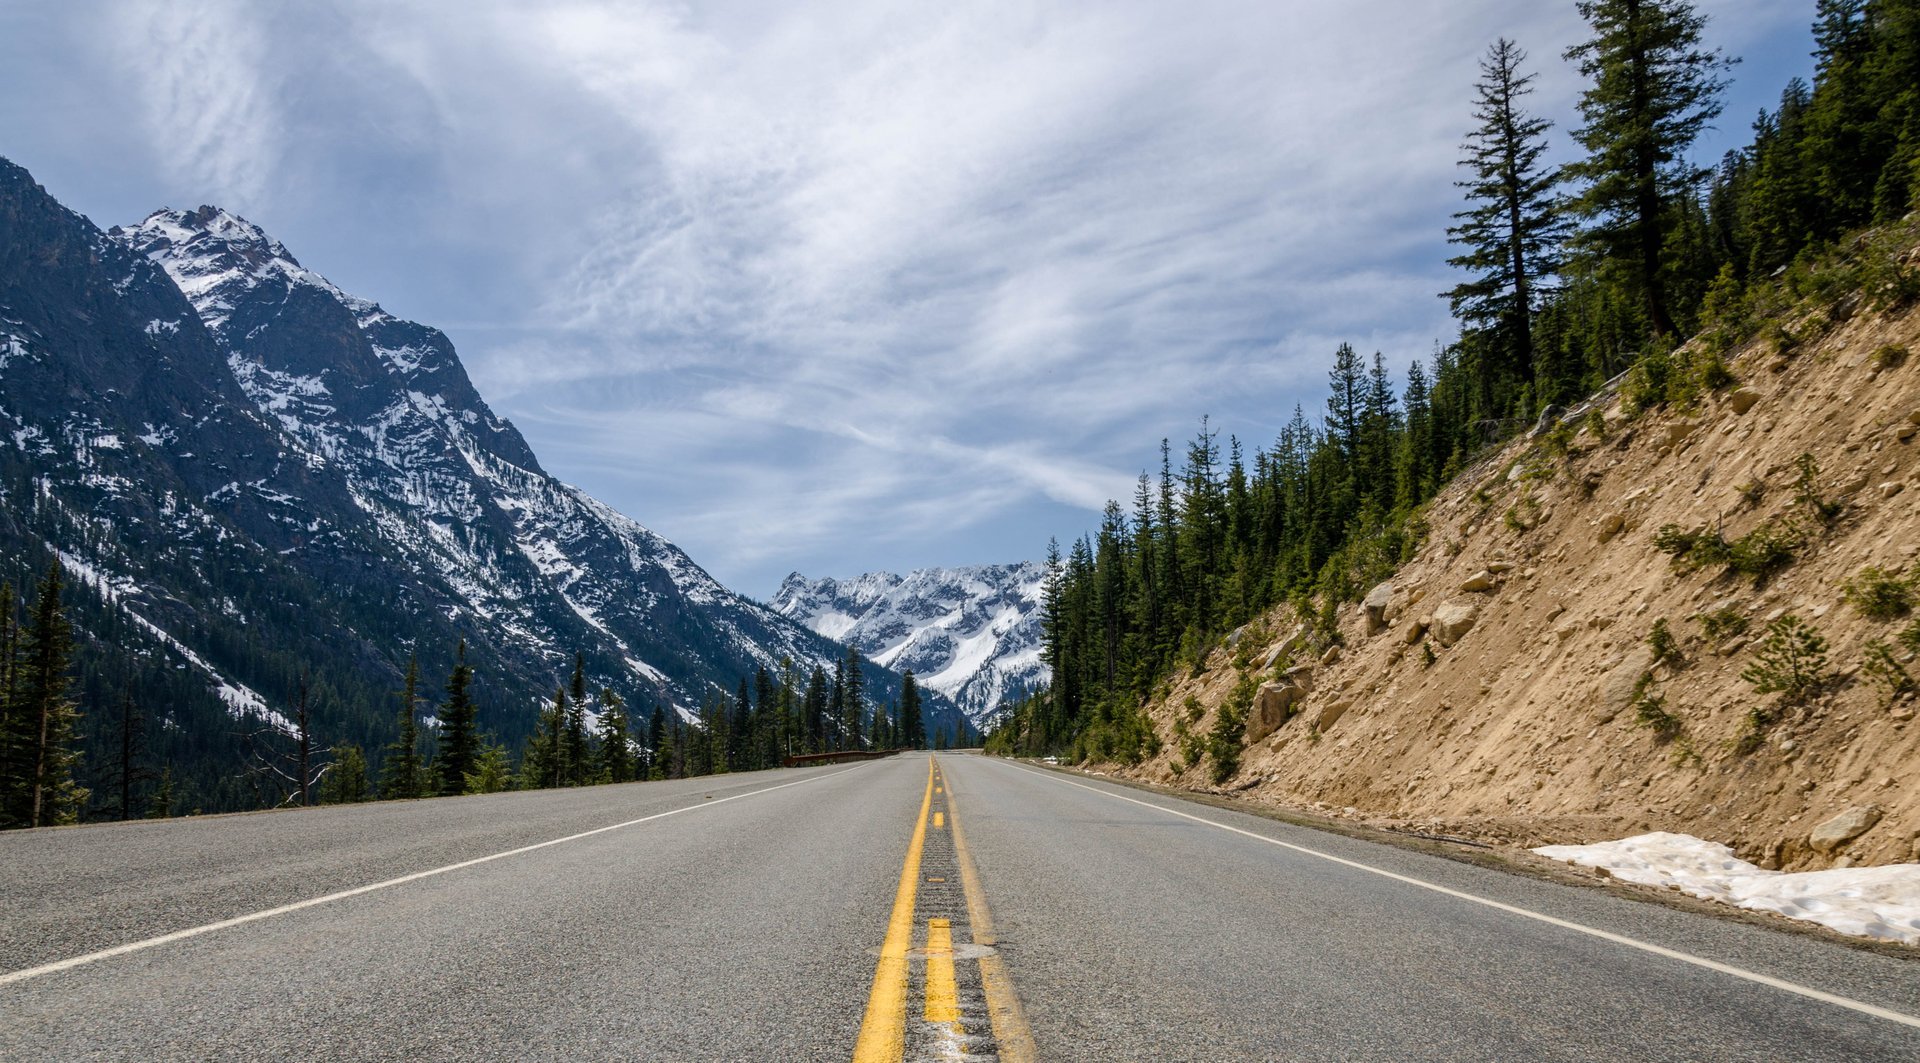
(180, 935)
(1605, 935)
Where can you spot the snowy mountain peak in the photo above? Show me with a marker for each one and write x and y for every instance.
(971, 633)
(216, 257)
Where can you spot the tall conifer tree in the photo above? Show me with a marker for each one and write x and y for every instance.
(459, 727)
(1653, 90)
(401, 774)
(1511, 229)
(44, 717)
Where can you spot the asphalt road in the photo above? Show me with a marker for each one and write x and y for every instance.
(867, 910)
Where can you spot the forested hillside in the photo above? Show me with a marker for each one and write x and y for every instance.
(1572, 274)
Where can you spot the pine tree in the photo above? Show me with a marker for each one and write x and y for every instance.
(492, 769)
(856, 701)
(160, 805)
(1511, 228)
(130, 749)
(740, 730)
(579, 742)
(545, 764)
(459, 727)
(913, 731)
(814, 709)
(616, 748)
(16, 752)
(402, 777)
(1653, 90)
(44, 717)
(769, 720)
(345, 780)
(656, 741)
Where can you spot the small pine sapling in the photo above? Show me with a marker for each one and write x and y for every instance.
(1879, 594)
(1665, 647)
(1807, 492)
(1886, 670)
(1722, 623)
(1791, 661)
(1650, 710)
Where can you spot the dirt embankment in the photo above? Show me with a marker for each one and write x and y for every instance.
(1495, 687)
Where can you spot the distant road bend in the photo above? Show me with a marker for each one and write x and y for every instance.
(944, 907)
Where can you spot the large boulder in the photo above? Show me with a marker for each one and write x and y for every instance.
(1291, 644)
(1331, 714)
(1375, 606)
(1272, 706)
(1453, 620)
(1618, 685)
(1843, 828)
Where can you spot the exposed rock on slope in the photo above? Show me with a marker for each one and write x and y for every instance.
(1502, 684)
(971, 633)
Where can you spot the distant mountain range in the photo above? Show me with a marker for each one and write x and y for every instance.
(972, 634)
(261, 475)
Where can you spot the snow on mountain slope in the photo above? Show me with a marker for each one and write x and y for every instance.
(971, 633)
(454, 491)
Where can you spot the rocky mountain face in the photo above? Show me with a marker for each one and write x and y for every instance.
(971, 633)
(260, 474)
(1573, 654)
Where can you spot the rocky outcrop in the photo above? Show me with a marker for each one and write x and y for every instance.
(1273, 706)
(1618, 687)
(1453, 620)
(1843, 828)
(1374, 606)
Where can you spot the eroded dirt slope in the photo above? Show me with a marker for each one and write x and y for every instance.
(1494, 692)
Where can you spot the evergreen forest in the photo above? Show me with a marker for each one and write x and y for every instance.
(1574, 278)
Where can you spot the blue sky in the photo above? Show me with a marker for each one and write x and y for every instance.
(835, 286)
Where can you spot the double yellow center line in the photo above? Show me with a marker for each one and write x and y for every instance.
(883, 1031)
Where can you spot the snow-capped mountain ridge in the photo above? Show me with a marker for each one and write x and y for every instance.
(274, 477)
(970, 633)
(388, 405)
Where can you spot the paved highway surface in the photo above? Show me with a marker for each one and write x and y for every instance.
(963, 908)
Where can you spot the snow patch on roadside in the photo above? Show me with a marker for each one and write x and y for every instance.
(1872, 902)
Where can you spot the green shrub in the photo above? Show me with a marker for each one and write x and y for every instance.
(1778, 339)
(1646, 385)
(1889, 283)
(1523, 516)
(1763, 551)
(1650, 710)
(1192, 746)
(1886, 670)
(1596, 425)
(1879, 594)
(1666, 648)
(1722, 623)
(1229, 729)
(1791, 661)
(1807, 492)
(1752, 492)
(1892, 356)
(1713, 374)
(1910, 638)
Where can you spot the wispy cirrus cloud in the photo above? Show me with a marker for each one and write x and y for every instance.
(861, 284)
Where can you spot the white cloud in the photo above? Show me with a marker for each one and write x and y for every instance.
(207, 92)
(791, 278)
